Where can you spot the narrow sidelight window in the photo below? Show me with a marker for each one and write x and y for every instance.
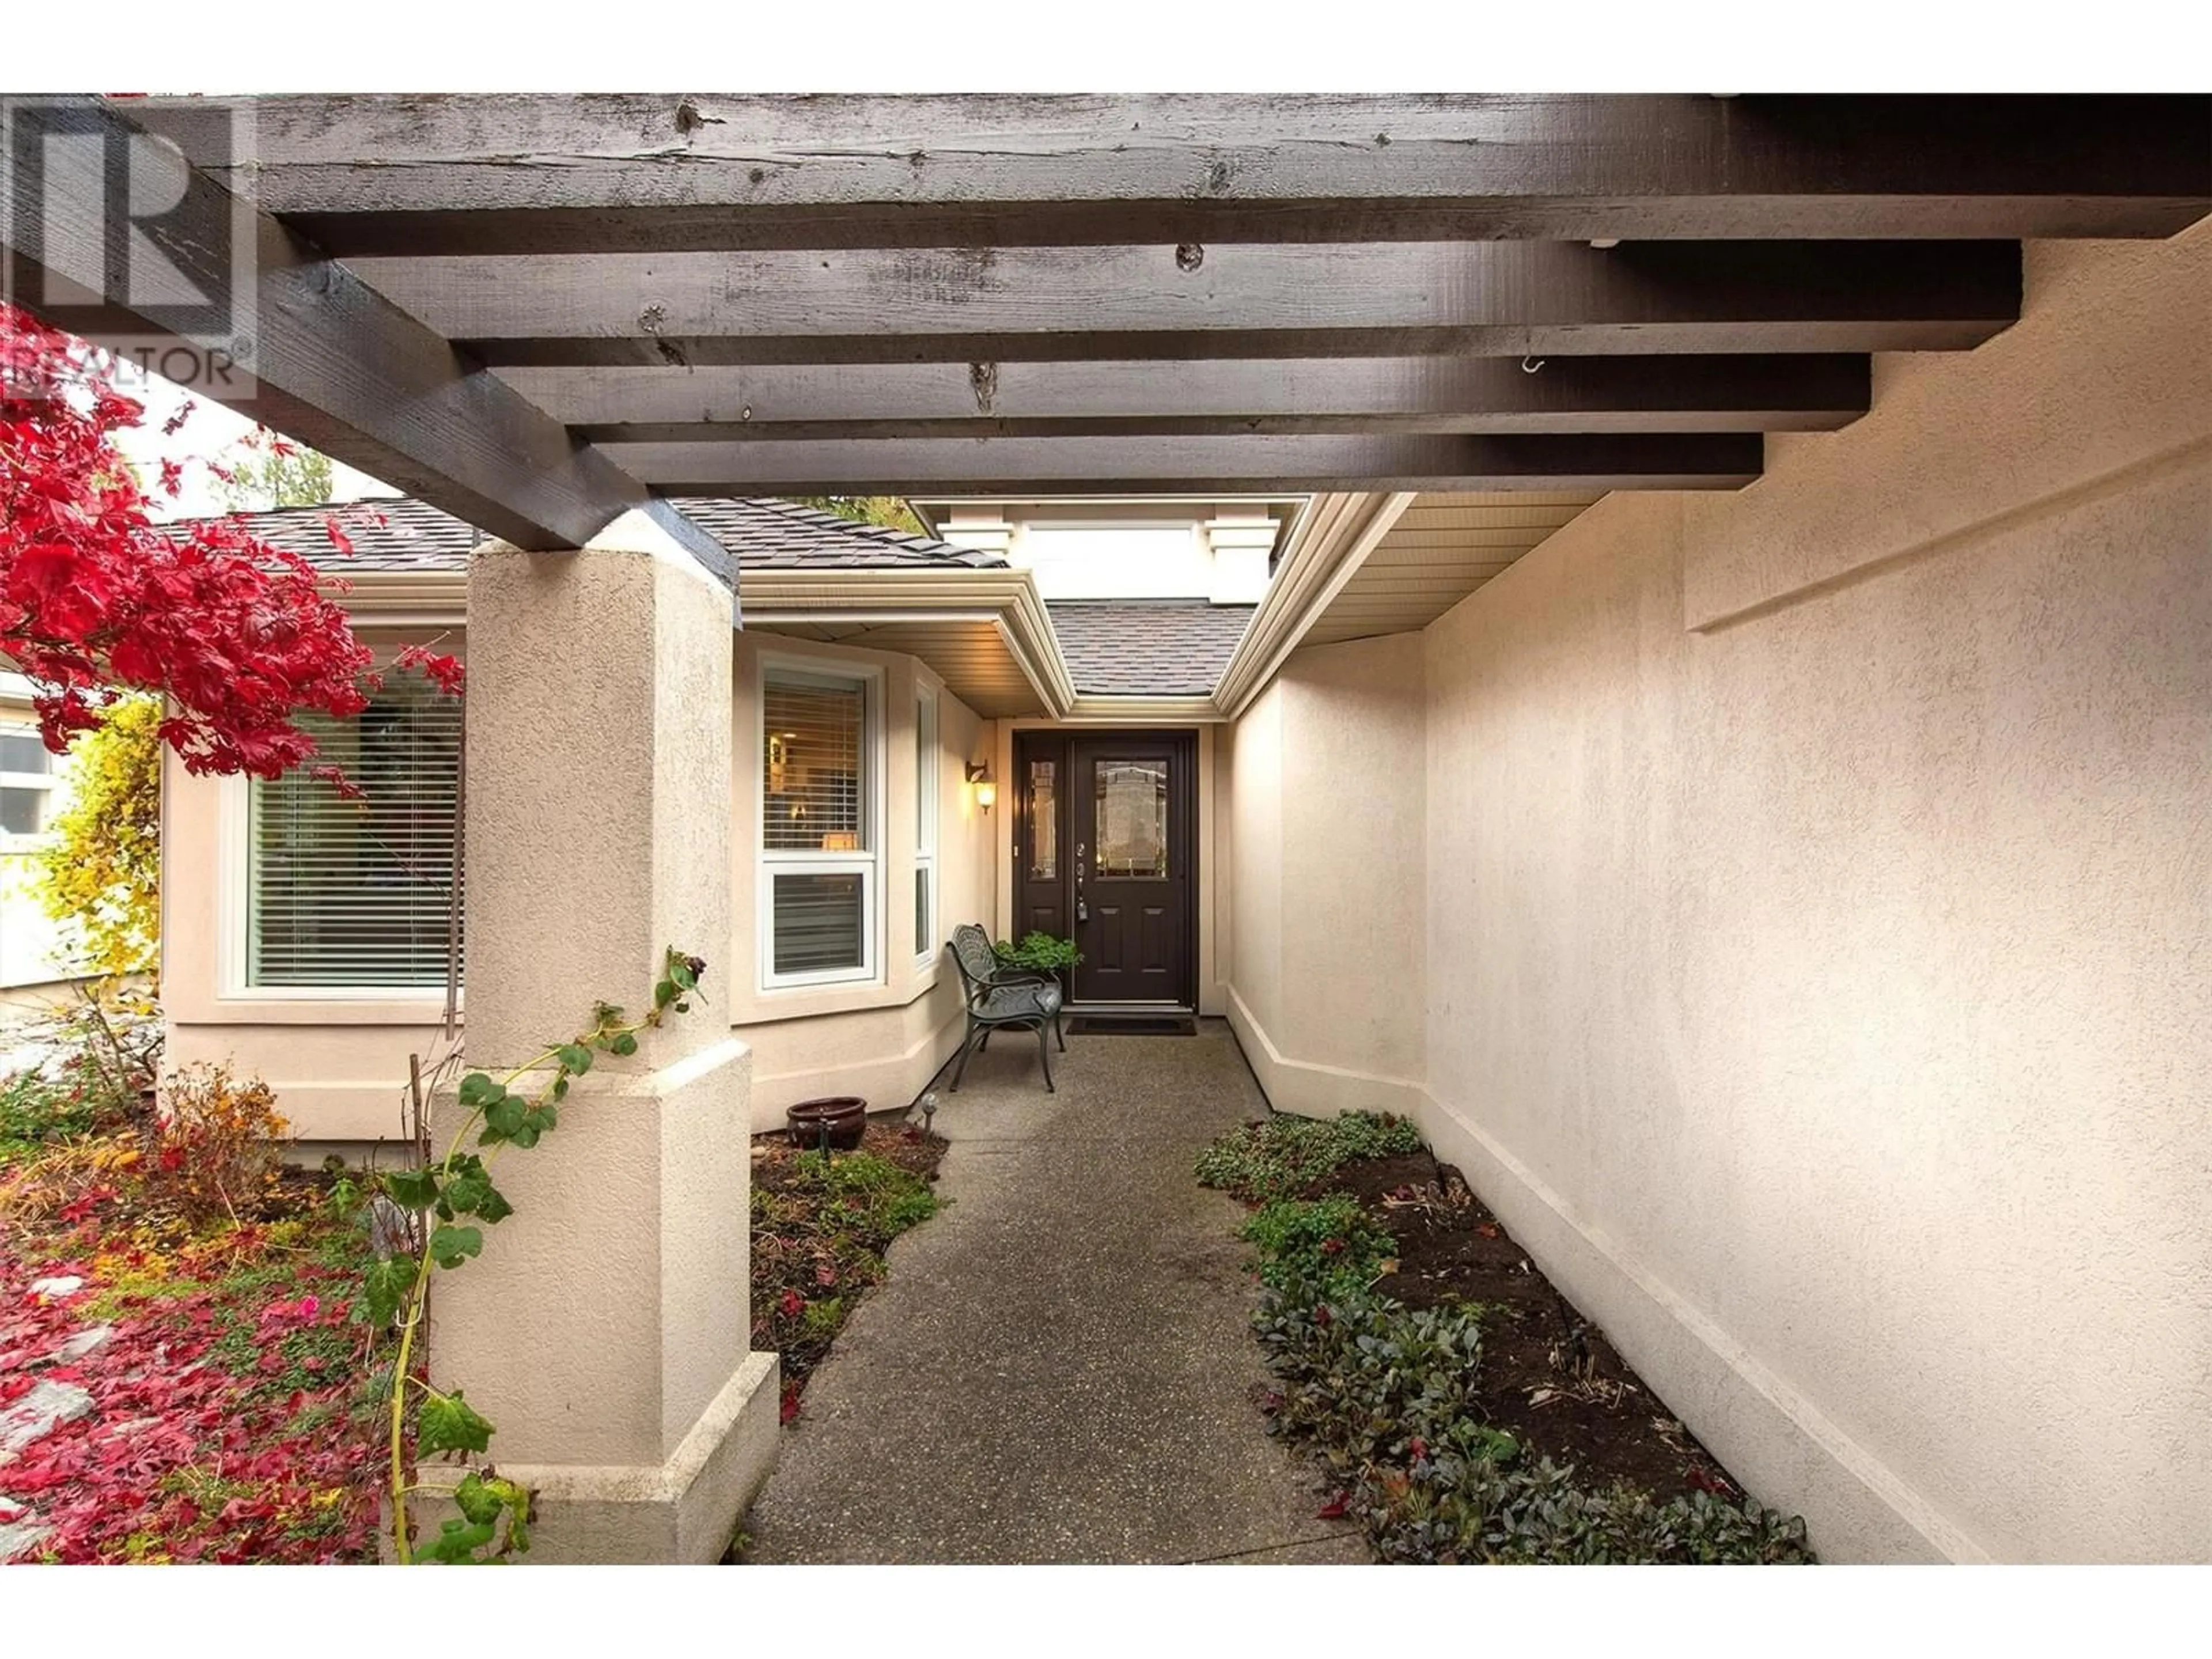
(926, 769)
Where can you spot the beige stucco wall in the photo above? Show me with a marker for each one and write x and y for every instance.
(1326, 819)
(881, 1043)
(1816, 933)
(339, 1064)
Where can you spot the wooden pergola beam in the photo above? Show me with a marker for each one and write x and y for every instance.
(334, 363)
(1339, 395)
(836, 295)
(1199, 466)
(1034, 305)
(415, 176)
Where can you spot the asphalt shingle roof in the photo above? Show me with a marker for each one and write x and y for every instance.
(1147, 647)
(402, 534)
(765, 534)
(395, 534)
(1113, 648)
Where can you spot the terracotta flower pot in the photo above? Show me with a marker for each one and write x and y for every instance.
(846, 1116)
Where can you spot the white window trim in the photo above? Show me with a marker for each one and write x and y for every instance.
(875, 749)
(929, 807)
(234, 907)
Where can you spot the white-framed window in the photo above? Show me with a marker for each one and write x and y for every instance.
(821, 825)
(345, 897)
(27, 782)
(925, 769)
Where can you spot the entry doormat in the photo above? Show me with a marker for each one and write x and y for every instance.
(1132, 1025)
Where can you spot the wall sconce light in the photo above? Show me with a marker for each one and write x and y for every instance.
(987, 792)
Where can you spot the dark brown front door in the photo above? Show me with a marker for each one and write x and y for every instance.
(1107, 851)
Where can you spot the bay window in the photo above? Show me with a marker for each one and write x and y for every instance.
(820, 734)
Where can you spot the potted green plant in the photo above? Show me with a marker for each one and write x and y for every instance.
(1044, 953)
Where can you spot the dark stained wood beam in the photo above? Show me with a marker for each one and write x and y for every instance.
(1344, 396)
(1042, 304)
(333, 363)
(1195, 465)
(417, 176)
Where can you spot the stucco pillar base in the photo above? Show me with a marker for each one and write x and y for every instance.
(604, 1329)
(684, 1509)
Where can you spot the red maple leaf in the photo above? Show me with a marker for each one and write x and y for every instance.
(241, 638)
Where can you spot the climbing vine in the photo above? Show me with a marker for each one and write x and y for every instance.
(102, 877)
(451, 1202)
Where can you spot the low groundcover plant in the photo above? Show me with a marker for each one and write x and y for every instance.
(1387, 1399)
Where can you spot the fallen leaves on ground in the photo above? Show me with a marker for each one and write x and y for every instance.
(232, 1418)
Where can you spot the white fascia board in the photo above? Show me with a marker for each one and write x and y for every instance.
(1332, 540)
(1144, 711)
(1008, 598)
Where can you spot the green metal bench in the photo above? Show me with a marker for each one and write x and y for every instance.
(997, 997)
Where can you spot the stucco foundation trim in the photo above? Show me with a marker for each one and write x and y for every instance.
(685, 1510)
(1765, 1431)
(1763, 1428)
(1307, 1088)
(888, 1081)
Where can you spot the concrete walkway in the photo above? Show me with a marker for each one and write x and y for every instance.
(1059, 1367)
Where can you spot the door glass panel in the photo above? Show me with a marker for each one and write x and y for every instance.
(1132, 818)
(1044, 821)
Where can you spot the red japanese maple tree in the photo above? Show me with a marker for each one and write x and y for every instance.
(96, 599)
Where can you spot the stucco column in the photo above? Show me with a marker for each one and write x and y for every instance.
(604, 1328)
(984, 529)
(1240, 544)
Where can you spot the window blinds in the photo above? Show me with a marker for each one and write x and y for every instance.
(819, 919)
(814, 814)
(355, 893)
(811, 793)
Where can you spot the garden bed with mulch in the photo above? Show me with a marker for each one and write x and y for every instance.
(1549, 1377)
(1456, 1404)
(821, 1224)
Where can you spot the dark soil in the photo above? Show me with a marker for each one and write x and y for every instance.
(1550, 1378)
(814, 1259)
(908, 1147)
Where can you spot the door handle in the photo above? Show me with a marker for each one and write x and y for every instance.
(1082, 907)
